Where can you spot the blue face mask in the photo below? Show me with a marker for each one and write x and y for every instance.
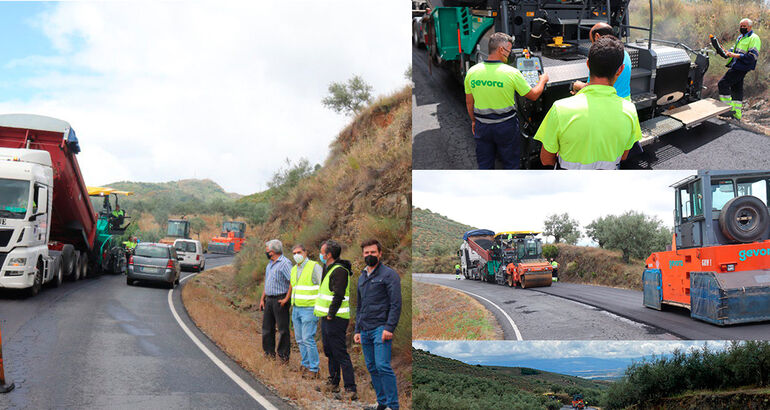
(321, 257)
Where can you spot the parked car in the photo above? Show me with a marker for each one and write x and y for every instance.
(154, 262)
(191, 252)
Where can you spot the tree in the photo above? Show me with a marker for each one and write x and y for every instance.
(562, 227)
(634, 233)
(348, 98)
(286, 178)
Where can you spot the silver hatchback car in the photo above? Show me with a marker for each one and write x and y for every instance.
(154, 262)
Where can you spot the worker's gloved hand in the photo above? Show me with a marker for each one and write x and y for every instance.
(717, 46)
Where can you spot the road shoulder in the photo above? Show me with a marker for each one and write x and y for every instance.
(461, 316)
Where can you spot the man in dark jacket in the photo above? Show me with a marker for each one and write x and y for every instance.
(333, 307)
(377, 314)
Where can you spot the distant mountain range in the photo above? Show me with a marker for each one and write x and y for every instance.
(204, 190)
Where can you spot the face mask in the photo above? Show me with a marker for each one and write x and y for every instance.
(371, 260)
(267, 254)
(298, 258)
(321, 257)
(744, 30)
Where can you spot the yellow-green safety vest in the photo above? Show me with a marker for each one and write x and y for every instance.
(303, 290)
(325, 296)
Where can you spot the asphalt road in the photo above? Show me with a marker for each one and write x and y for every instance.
(98, 343)
(441, 133)
(538, 316)
(677, 321)
(597, 308)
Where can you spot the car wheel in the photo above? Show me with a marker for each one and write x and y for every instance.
(203, 266)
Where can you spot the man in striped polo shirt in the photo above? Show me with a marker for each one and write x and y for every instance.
(490, 97)
(305, 281)
(275, 301)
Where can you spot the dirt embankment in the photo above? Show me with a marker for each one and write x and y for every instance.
(213, 303)
(597, 266)
(442, 313)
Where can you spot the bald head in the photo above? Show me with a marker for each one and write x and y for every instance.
(598, 30)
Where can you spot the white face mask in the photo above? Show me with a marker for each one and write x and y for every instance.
(298, 258)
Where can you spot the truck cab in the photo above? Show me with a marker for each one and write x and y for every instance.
(26, 180)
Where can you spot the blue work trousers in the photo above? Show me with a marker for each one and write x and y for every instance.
(501, 140)
(377, 358)
(305, 325)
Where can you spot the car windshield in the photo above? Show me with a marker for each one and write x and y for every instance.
(152, 251)
(183, 246)
(14, 198)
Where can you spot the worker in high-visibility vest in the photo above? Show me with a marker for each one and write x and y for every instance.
(333, 307)
(595, 128)
(555, 265)
(304, 284)
(457, 272)
(742, 59)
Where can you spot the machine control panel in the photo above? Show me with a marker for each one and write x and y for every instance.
(531, 67)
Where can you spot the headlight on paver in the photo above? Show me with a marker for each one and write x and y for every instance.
(17, 262)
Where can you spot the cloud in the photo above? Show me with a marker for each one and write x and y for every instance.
(170, 90)
(492, 352)
(521, 200)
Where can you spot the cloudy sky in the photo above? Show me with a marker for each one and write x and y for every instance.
(161, 91)
(579, 358)
(521, 200)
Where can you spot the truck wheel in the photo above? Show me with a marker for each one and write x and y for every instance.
(415, 36)
(38, 282)
(510, 281)
(68, 261)
(57, 280)
(83, 265)
(744, 219)
(75, 265)
(129, 282)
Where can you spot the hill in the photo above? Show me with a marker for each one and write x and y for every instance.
(362, 191)
(436, 240)
(435, 233)
(441, 382)
(203, 190)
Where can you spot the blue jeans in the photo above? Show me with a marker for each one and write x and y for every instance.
(377, 358)
(501, 140)
(305, 325)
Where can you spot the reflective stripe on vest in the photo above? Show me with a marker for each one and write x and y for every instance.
(594, 165)
(303, 291)
(325, 297)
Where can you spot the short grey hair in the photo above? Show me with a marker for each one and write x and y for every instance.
(497, 40)
(275, 245)
(300, 247)
(747, 21)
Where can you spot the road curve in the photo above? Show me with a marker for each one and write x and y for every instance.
(99, 343)
(442, 139)
(540, 317)
(628, 303)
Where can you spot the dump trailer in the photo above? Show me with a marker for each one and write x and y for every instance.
(551, 36)
(176, 229)
(109, 253)
(521, 253)
(47, 223)
(231, 240)
(474, 253)
(718, 266)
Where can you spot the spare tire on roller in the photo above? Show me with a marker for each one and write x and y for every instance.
(744, 219)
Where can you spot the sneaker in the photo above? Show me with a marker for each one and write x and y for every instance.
(375, 406)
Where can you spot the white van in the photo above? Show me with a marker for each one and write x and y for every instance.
(191, 253)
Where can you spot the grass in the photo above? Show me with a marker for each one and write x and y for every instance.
(597, 266)
(233, 321)
(441, 313)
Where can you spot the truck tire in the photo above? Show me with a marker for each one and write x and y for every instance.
(129, 282)
(509, 281)
(744, 219)
(83, 265)
(38, 282)
(75, 265)
(68, 261)
(59, 276)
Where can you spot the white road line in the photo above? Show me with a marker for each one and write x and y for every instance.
(234, 377)
(513, 325)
